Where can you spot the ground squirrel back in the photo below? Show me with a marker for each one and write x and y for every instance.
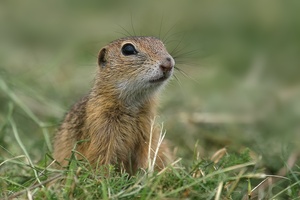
(113, 122)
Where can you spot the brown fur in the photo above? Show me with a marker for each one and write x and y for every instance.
(114, 119)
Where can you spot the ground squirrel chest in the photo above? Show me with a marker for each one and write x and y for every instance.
(112, 124)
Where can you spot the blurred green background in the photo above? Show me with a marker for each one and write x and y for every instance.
(240, 60)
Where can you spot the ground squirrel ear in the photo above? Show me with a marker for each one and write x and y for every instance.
(101, 57)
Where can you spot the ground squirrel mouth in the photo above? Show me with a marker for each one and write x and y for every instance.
(160, 79)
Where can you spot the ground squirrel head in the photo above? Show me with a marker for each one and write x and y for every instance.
(134, 67)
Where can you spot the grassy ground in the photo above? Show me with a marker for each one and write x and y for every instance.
(238, 89)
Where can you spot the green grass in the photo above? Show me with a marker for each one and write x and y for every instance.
(79, 180)
(225, 176)
(239, 89)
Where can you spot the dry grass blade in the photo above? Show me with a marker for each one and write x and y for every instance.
(219, 191)
(149, 146)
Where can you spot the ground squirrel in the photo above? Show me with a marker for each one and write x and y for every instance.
(114, 120)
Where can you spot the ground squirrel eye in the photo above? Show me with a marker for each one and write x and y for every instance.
(128, 49)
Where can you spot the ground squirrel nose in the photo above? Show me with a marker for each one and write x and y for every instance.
(166, 65)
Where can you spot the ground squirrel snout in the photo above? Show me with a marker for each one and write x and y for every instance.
(115, 118)
(167, 66)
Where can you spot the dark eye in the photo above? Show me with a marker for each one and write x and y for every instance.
(128, 49)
